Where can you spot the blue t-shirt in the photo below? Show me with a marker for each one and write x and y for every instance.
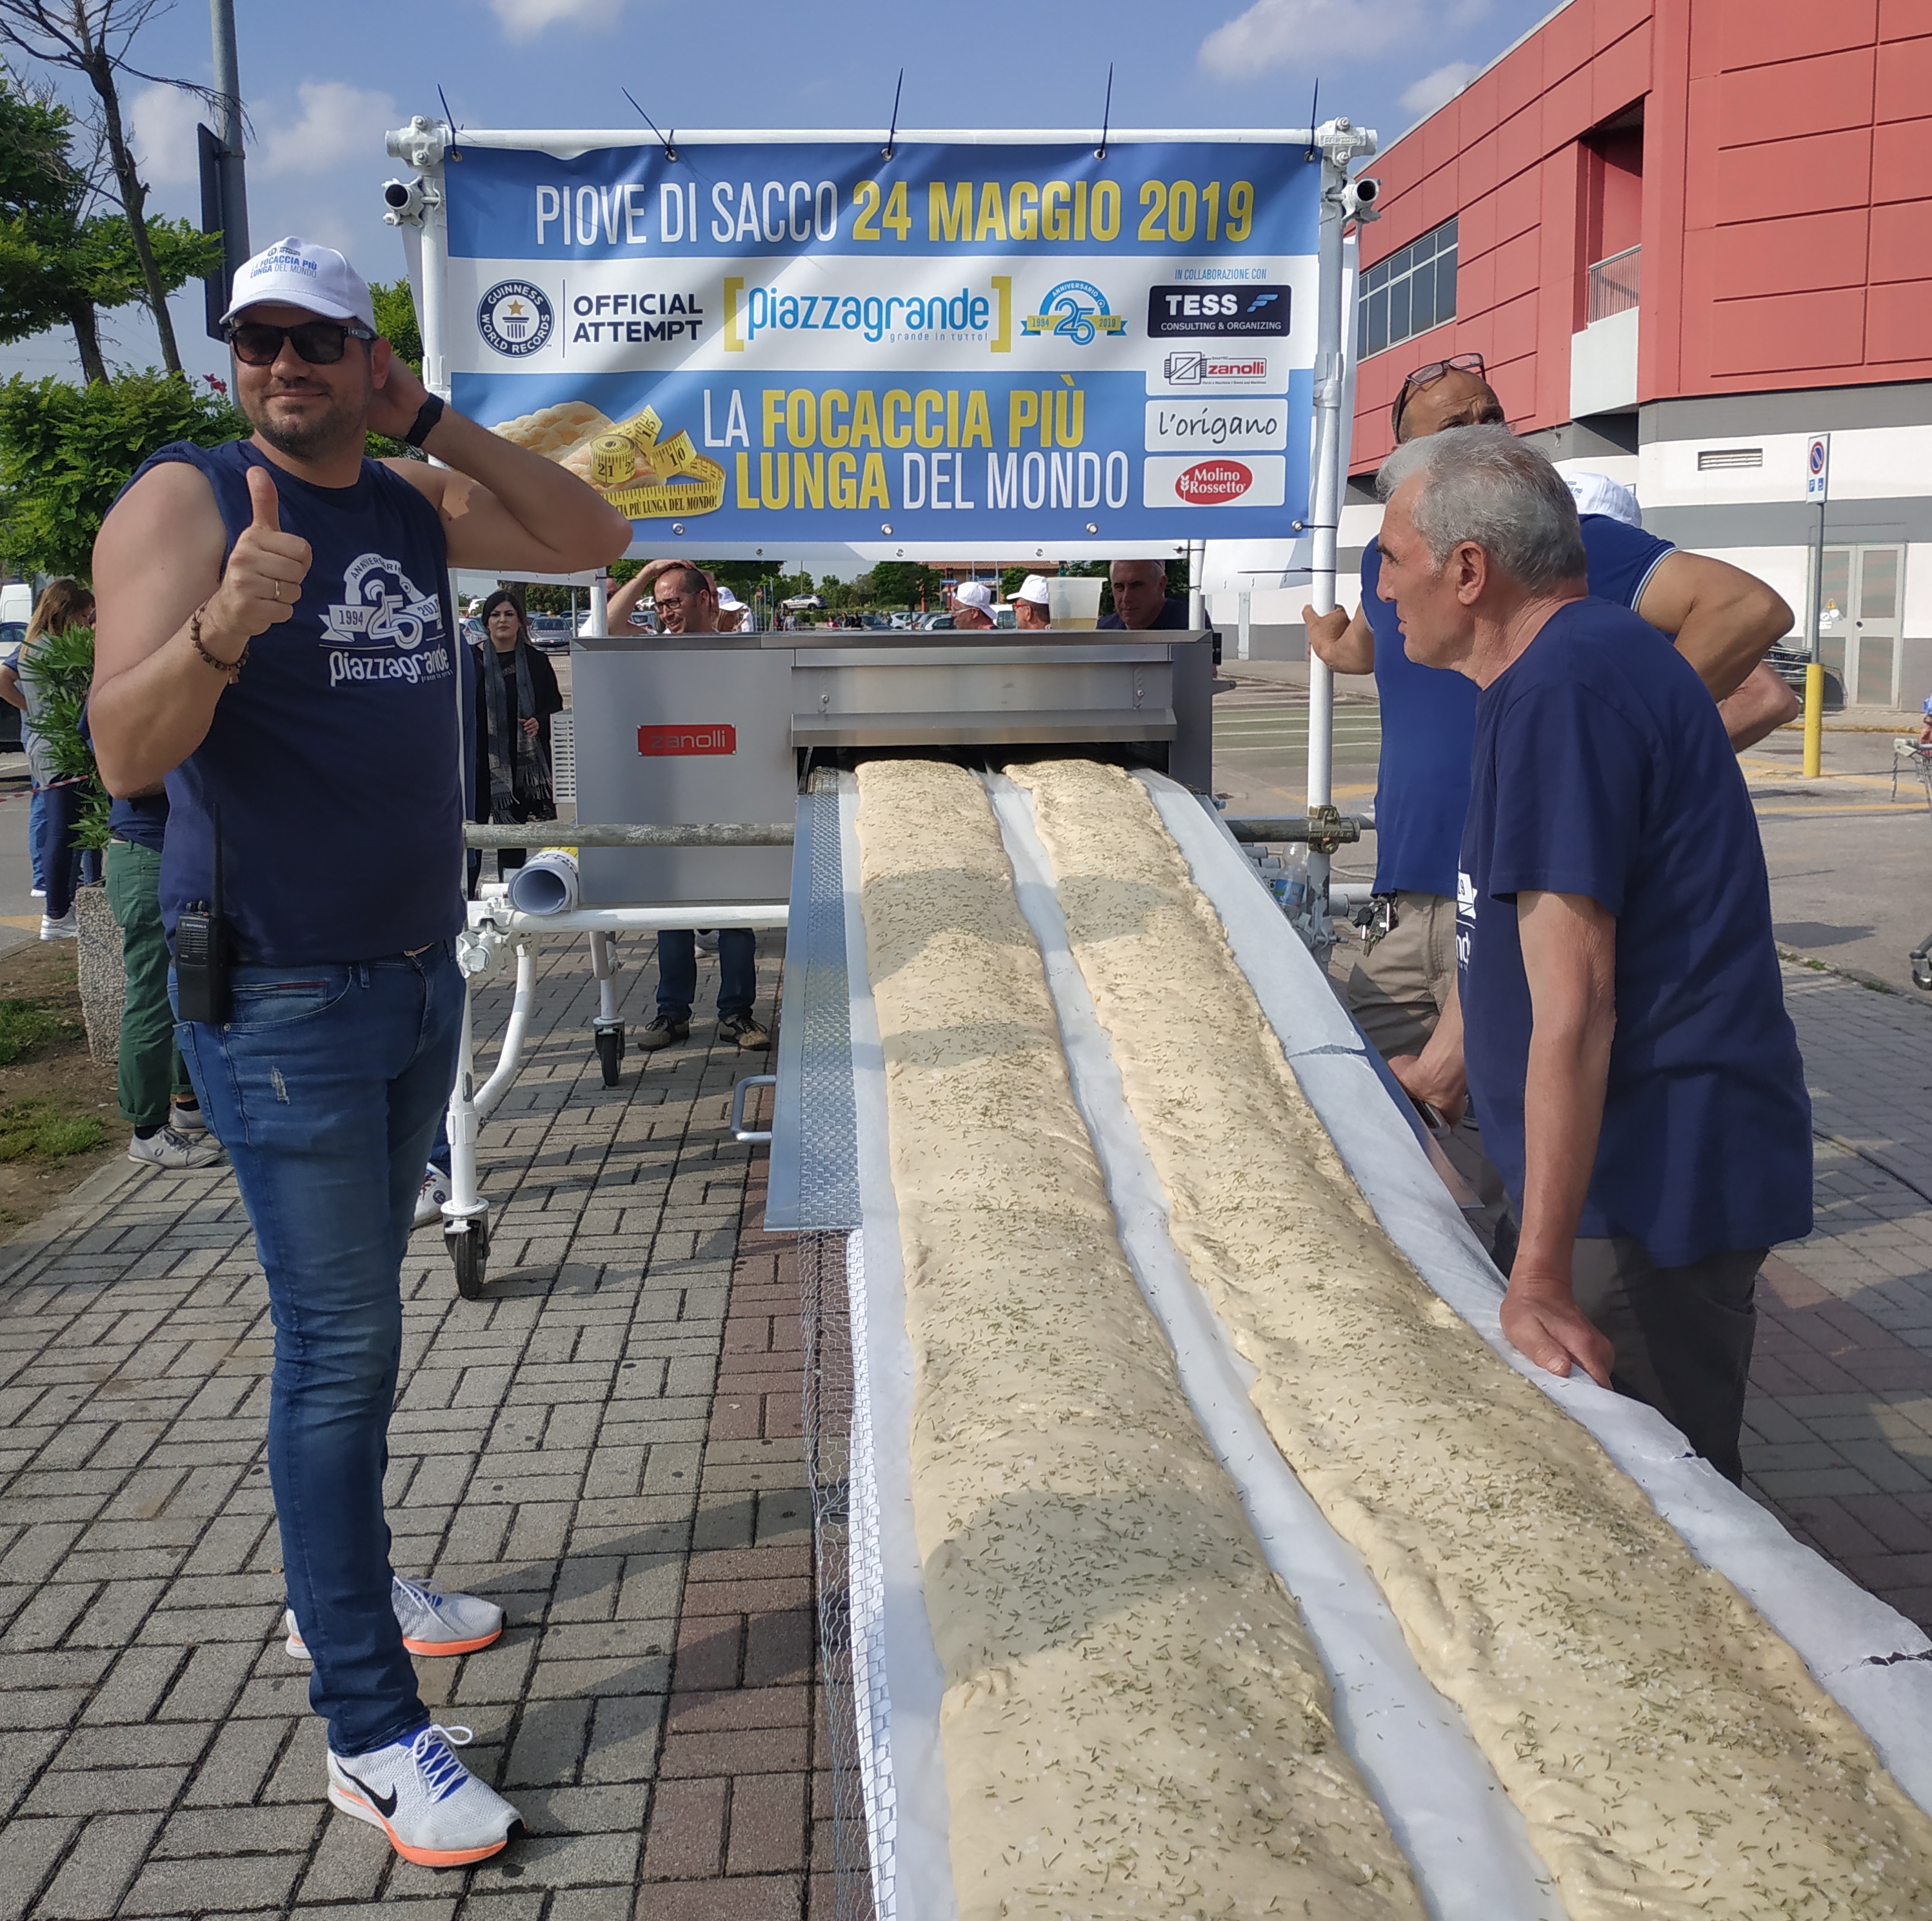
(142, 821)
(1601, 768)
(336, 758)
(1429, 717)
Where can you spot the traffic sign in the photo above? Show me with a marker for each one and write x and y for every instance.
(1818, 467)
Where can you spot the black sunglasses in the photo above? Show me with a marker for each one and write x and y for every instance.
(1427, 376)
(320, 343)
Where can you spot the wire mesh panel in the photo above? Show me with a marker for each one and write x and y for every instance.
(826, 1312)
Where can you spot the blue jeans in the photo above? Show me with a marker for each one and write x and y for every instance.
(59, 858)
(37, 825)
(677, 971)
(325, 1085)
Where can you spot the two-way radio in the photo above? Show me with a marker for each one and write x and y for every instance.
(201, 949)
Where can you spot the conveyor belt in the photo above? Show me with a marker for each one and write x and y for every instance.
(1465, 1840)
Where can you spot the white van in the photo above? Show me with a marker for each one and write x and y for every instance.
(16, 601)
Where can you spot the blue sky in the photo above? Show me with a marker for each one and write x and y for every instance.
(322, 84)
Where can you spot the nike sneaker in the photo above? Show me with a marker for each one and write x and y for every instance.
(435, 1811)
(432, 1622)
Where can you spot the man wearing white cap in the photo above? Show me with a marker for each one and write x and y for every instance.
(1030, 603)
(972, 605)
(276, 643)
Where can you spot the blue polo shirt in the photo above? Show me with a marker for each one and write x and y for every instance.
(1601, 768)
(1429, 717)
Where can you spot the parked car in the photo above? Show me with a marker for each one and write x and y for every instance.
(1788, 664)
(551, 631)
(12, 633)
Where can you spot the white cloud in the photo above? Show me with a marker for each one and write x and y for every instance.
(339, 123)
(164, 122)
(524, 20)
(1298, 33)
(1434, 89)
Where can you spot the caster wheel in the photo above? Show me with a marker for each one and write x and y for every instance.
(1922, 974)
(470, 1249)
(610, 1054)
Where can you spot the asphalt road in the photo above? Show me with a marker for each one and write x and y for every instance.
(19, 913)
(1851, 867)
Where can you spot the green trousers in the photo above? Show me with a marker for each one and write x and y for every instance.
(151, 1070)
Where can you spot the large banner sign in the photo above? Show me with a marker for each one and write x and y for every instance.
(1005, 350)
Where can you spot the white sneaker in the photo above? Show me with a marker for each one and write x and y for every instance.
(63, 929)
(188, 1121)
(37, 893)
(435, 1811)
(432, 1622)
(431, 1195)
(166, 1147)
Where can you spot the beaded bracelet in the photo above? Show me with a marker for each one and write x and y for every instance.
(230, 671)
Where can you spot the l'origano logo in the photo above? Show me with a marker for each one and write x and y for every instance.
(514, 318)
(1076, 310)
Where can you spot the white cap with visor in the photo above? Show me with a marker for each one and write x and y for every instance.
(294, 272)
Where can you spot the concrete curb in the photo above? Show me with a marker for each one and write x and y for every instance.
(1797, 957)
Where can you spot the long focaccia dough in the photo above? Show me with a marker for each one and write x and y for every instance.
(1671, 1754)
(1134, 1721)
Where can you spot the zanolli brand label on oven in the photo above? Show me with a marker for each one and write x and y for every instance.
(658, 737)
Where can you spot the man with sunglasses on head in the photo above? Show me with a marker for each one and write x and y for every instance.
(276, 641)
(1722, 619)
(686, 601)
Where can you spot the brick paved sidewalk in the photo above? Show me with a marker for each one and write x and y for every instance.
(608, 1445)
(1838, 1429)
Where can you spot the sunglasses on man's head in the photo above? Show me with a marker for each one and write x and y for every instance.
(320, 343)
(1427, 376)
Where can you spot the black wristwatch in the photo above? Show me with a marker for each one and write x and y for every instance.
(428, 415)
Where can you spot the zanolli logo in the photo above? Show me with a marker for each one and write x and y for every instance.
(1208, 483)
(1077, 310)
(711, 737)
(514, 318)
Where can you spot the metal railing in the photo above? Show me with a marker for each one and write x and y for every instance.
(1615, 283)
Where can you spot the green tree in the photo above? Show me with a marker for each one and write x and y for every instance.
(91, 38)
(395, 307)
(58, 264)
(903, 583)
(66, 452)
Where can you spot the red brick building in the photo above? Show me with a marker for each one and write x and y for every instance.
(1685, 235)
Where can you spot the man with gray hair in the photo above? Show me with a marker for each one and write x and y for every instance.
(1618, 1016)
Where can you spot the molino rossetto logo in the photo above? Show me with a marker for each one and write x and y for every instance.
(1212, 483)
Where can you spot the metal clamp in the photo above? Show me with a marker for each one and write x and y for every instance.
(740, 1132)
(1327, 831)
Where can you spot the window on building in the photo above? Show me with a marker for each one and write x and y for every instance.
(1411, 291)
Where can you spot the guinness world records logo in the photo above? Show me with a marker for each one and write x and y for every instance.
(515, 318)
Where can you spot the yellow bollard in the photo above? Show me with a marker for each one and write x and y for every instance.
(1814, 718)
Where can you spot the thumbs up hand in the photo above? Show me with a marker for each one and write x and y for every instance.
(262, 580)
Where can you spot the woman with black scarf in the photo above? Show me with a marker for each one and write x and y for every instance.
(516, 695)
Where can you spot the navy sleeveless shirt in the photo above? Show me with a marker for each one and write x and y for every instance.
(336, 760)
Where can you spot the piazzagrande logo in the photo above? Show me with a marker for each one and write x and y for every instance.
(1077, 310)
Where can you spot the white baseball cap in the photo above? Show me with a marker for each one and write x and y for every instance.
(1598, 494)
(974, 593)
(728, 602)
(1033, 588)
(294, 272)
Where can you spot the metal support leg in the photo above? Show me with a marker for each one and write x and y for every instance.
(466, 1214)
(607, 1026)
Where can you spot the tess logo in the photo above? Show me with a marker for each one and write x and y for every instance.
(717, 738)
(1208, 481)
